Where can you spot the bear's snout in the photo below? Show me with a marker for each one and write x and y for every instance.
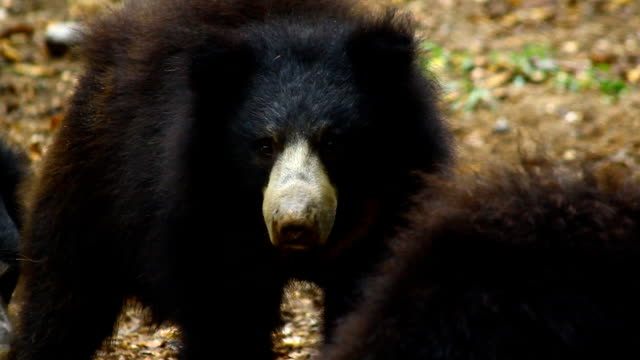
(300, 202)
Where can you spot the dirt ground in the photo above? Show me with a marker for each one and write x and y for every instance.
(577, 102)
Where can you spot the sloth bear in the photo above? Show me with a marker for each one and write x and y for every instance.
(520, 264)
(13, 169)
(212, 151)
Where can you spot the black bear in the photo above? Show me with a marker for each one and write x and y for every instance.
(13, 169)
(212, 151)
(535, 263)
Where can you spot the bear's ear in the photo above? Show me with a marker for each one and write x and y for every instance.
(219, 69)
(383, 52)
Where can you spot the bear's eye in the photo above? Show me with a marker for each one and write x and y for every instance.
(265, 148)
(329, 143)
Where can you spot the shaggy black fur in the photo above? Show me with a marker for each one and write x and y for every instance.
(152, 189)
(13, 169)
(527, 264)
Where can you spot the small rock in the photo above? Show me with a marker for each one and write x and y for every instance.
(501, 126)
(573, 117)
(60, 36)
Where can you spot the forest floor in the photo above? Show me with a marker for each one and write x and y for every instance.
(558, 77)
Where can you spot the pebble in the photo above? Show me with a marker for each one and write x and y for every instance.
(573, 117)
(61, 36)
(501, 126)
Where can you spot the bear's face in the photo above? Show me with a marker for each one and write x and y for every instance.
(323, 127)
(295, 127)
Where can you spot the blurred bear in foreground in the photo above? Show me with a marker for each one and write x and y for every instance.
(13, 169)
(529, 263)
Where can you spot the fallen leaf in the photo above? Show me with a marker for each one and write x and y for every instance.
(33, 70)
(9, 52)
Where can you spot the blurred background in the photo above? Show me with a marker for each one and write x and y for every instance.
(559, 77)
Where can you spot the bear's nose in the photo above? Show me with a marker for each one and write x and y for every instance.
(298, 236)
